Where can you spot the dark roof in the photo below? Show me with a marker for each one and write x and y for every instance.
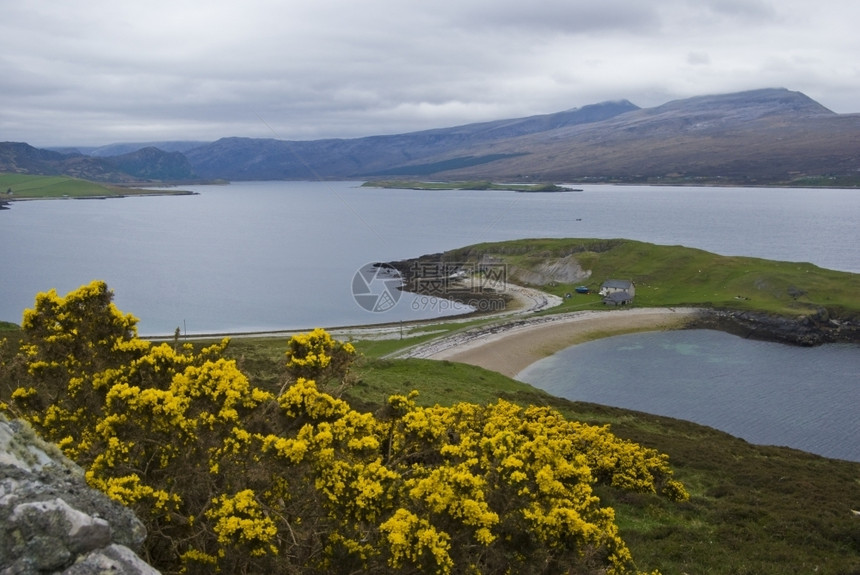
(618, 296)
(617, 284)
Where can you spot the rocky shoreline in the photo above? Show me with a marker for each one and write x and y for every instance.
(810, 330)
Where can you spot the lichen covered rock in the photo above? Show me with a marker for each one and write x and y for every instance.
(51, 521)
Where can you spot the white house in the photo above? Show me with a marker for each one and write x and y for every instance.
(617, 292)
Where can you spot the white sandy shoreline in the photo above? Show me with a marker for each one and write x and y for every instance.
(510, 347)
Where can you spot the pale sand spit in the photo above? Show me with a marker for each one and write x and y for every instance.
(510, 348)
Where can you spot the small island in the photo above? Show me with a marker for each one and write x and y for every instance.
(468, 185)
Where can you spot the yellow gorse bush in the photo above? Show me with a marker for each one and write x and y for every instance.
(415, 542)
(316, 355)
(239, 519)
(231, 478)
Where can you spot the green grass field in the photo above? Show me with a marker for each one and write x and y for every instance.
(25, 187)
(29, 187)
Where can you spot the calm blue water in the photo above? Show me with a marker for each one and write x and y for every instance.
(766, 393)
(283, 255)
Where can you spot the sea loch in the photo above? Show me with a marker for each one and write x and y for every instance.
(283, 255)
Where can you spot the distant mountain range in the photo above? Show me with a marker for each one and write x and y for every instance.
(756, 137)
(146, 165)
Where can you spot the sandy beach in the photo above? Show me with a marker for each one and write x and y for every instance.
(517, 338)
(511, 347)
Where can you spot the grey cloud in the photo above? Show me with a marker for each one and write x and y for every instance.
(698, 58)
(93, 71)
(559, 16)
(755, 10)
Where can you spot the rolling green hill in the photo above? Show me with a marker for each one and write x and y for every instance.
(666, 276)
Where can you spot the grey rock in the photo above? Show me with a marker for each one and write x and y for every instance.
(112, 559)
(51, 521)
(76, 530)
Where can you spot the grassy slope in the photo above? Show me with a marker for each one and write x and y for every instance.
(46, 187)
(754, 509)
(679, 276)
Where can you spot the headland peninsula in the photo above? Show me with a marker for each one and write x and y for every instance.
(741, 493)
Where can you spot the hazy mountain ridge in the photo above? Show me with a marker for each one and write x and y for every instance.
(144, 165)
(757, 137)
(261, 159)
(154, 164)
(763, 136)
(118, 149)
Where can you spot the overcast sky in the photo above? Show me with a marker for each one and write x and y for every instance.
(92, 72)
